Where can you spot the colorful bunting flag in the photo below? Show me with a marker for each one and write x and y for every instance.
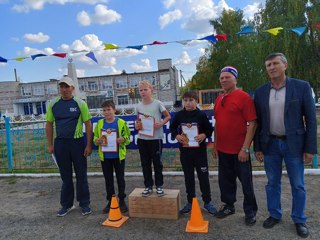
(110, 46)
(20, 59)
(77, 51)
(3, 60)
(37, 55)
(209, 38)
(245, 30)
(138, 47)
(298, 30)
(274, 31)
(61, 55)
(157, 43)
(183, 42)
(221, 37)
(91, 55)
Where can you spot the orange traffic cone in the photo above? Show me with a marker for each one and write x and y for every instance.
(196, 222)
(115, 218)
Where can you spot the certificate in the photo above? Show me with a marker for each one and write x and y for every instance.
(190, 131)
(54, 160)
(110, 140)
(147, 125)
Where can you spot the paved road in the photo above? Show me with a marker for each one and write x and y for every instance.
(28, 207)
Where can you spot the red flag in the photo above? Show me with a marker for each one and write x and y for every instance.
(317, 25)
(221, 37)
(61, 55)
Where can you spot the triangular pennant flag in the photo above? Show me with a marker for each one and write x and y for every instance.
(61, 55)
(274, 31)
(245, 30)
(138, 47)
(157, 43)
(298, 30)
(110, 46)
(317, 25)
(37, 55)
(221, 37)
(184, 42)
(78, 51)
(20, 59)
(91, 55)
(209, 38)
(3, 60)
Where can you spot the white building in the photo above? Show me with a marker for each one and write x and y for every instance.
(33, 98)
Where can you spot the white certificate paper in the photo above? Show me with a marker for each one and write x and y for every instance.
(54, 160)
(111, 144)
(191, 131)
(147, 125)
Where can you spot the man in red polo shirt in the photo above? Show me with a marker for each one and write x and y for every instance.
(235, 126)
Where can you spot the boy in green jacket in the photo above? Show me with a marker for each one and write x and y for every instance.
(112, 135)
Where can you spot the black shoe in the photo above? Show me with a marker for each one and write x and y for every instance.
(123, 206)
(302, 230)
(225, 211)
(270, 222)
(107, 208)
(250, 221)
(186, 209)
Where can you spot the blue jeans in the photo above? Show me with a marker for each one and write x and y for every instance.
(276, 152)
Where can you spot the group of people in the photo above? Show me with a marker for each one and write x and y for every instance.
(280, 121)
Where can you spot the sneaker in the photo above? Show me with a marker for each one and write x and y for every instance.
(160, 191)
(86, 210)
(210, 208)
(225, 211)
(107, 208)
(186, 209)
(64, 211)
(147, 191)
(123, 206)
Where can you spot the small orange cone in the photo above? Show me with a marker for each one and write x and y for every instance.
(115, 218)
(196, 222)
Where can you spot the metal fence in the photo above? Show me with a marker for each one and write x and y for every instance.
(23, 150)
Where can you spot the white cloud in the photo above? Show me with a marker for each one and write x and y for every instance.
(195, 14)
(144, 67)
(36, 38)
(29, 5)
(250, 10)
(102, 16)
(169, 17)
(184, 59)
(168, 3)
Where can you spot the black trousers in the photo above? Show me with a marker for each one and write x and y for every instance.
(108, 165)
(229, 169)
(196, 159)
(150, 153)
(69, 154)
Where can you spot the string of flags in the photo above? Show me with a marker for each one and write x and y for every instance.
(211, 38)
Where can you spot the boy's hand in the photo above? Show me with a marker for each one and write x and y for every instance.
(183, 139)
(120, 140)
(200, 138)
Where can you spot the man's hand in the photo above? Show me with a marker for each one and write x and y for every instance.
(307, 157)
(259, 156)
(87, 151)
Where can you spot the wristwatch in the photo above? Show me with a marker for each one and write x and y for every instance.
(246, 150)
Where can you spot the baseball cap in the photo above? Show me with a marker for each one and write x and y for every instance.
(67, 81)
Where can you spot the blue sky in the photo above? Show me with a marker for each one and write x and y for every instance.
(30, 27)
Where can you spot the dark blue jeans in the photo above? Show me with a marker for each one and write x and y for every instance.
(230, 168)
(69, 153)
(277, 152)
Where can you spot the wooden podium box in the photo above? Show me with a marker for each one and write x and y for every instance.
(165, 207)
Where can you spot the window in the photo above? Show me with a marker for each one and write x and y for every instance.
(106, 84)
(134, 81)
(26, 90)
(123, 99)
(82, 86)
(151, 79)
(96, 101)
(52, 89)
(92, 86)
(41, 107)
(28, 108)
(121, 82)
(165, 82)
(38, 90)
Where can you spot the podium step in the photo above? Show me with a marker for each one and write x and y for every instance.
(153, 206)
